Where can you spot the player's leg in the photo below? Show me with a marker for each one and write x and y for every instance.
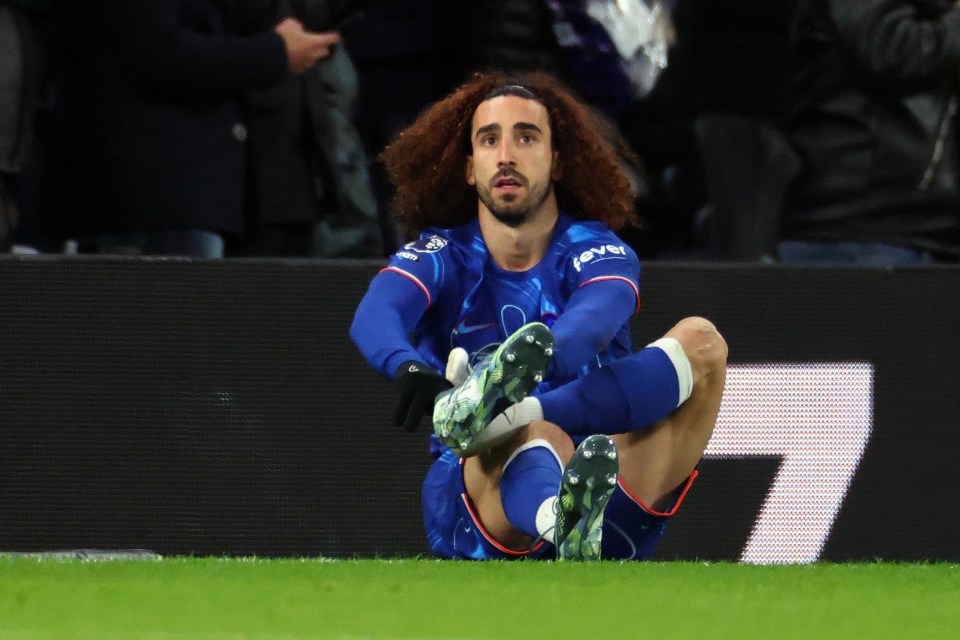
(659, 444)
(513, 487)
(518, 494)
(641, 393)
(660, 403)
(496, 505)
(631, 393)
(656, 460)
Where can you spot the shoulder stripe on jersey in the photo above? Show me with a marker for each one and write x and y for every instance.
(676, 505)
(416, 281)
(636, 291)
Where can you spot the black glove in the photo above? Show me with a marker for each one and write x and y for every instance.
(419, 386)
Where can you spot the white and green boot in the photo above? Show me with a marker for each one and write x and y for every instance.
(461, 414)
(588, 482)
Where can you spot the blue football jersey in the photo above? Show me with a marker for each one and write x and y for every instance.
(473, 303)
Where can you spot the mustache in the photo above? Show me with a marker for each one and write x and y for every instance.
(507, 172)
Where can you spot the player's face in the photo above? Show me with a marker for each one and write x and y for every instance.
(513, 163)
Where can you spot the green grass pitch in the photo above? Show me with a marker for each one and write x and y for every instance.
(227, 599)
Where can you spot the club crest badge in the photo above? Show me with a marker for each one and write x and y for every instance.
(426, 245)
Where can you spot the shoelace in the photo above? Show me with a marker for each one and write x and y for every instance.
(482, 356)
(540, 538)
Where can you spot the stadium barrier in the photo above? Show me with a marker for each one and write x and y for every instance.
(219, 408)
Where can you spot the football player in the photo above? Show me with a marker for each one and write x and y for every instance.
(559, 440)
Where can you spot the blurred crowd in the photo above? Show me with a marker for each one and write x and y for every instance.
(769, 130)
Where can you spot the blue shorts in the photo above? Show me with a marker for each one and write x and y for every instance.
(631, 531)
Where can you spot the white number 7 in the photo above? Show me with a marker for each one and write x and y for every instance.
(818, 417)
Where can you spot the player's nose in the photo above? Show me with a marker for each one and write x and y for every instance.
(506, 154)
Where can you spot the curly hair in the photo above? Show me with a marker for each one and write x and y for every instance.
(426, 161)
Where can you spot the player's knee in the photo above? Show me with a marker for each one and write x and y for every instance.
(702, 343)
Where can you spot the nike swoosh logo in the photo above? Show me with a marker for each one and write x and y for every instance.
(463, 328)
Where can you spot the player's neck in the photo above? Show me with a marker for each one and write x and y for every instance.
(522, 247)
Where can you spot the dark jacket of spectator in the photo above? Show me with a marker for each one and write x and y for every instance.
(398, 51)
(21, 76)
(875, 124)
(308, 165)
(147, 130)
(505, 35)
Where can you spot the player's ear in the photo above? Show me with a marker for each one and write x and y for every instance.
(557, 169)
(469, 171)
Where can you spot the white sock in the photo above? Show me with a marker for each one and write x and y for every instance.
(514, 418)
(523, 413)
(547, 519)
(681, 363)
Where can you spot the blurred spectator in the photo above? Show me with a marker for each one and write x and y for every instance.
(21, 64)
(601, 43)
(397, 48)
(717, 166)
(875, 126)
(310, 188)
(146, 151)
(12, 107)
(502, 35)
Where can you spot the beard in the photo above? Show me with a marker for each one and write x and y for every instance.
(511, 210)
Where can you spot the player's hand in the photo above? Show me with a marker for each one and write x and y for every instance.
(419, 386)
(305, 49)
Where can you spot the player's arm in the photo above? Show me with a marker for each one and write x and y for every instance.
(604, 275)
(387, 314)
(593, 316)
